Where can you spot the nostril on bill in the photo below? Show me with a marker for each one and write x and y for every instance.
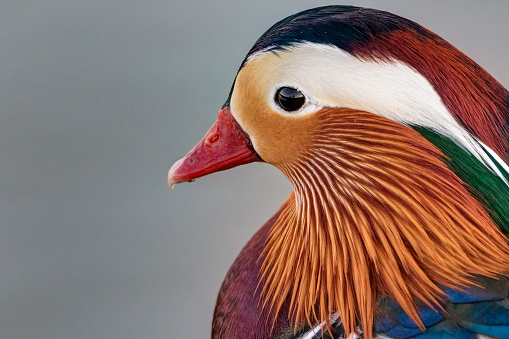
(213, 139)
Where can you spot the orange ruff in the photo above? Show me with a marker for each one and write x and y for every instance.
(374, 211)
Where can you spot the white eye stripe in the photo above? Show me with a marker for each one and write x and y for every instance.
(331, 77)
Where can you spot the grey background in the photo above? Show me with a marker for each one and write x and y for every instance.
(97, 99)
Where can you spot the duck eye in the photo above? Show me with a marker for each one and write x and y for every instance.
(290, 99)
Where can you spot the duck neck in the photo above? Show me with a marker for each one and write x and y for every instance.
(374, 211)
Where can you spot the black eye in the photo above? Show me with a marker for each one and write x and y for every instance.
(289, 99)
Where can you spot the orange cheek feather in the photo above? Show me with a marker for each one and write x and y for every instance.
(276, 137)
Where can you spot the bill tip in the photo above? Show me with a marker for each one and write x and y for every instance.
(171, 179)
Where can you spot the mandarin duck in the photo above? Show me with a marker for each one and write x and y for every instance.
(396, 144)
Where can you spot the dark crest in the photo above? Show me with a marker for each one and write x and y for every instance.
(346, 27)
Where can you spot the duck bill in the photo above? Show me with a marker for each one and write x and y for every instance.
(224, 146)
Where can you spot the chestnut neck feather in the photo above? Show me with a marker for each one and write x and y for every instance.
(470, 93)
(374, 211)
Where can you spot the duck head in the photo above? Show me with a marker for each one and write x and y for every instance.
(380, 125)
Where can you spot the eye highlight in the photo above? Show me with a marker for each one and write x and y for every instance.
(290, 99)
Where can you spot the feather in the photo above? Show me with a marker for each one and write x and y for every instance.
(397, 150)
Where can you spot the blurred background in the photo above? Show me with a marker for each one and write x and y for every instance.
(97, 100)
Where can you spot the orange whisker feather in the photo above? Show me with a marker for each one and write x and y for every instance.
(375, 211)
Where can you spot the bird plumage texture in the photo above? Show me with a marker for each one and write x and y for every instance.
(397, 145)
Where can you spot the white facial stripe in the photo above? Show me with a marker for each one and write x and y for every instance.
(335, 78)
(331, 77)
(497, 159)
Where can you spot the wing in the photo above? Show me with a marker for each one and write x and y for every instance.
(476, 312)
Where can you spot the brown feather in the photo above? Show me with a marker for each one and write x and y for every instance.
(470, 93)
(375, 211)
